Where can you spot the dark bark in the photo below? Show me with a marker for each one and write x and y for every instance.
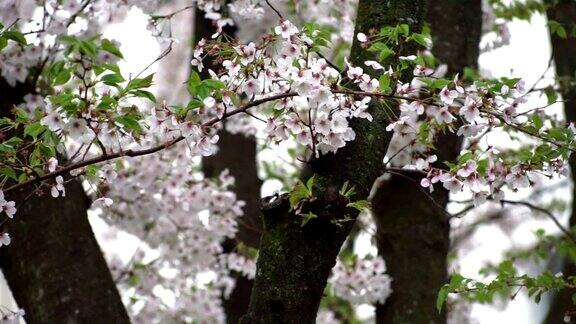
(54, 266)
(564, 53)
(237, 153)
(412, 232)
(295, 261)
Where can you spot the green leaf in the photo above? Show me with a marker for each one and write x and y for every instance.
(15, 36)
(557, 28)
(299, 193)
(465, 157)
(129, 123)
(6, 149)
(482, 166)
(214, 84)
(524, 154)
(384, 54)
(440, 83)
(420, 39)
(112, 67)
(62, 77)
(551, 94)
(470, 74)
(557, 133)
(404, 29)
(359, 205)
(442, 296)
(21, 115)
(140, 83)
(92, 171)
(109, 47)
(112, 79)
(133, 280)
(194, 78)
(385, 83)
(537, 121)
(3, 42)
(9, 173)
(106, 102)
(194, 103)
(310, 183)
(307, 217)
(33, 130)
(144, 94)
(88, 48)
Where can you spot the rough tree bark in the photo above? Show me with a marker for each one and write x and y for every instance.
(564, 54)
(413, 233)
(237, 153)
(54, 266)
(295, 261)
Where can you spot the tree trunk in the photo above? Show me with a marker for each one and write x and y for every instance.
(54, 265)
(237, 153)
(295, 261)
(413, 234)
(564, 53)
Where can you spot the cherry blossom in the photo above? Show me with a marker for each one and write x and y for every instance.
(8, 207)
(5, 239)
(162, 198)
(58, 189)
(364, 283)
(447, 96)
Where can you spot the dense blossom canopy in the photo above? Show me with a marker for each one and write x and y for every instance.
(85, 118)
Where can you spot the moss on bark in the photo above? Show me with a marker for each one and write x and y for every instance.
(295, 260)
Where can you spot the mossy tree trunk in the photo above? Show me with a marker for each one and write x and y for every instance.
(237, 153)
(564, 54)
(54, 266)
(295, 261)
(412, 232)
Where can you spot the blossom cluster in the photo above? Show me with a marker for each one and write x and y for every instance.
(470, 112)
(310, 112)
(163, 201)
(365, 282)
(11, 317)
(95, 112)
(8, 207)
(175, 212)
(54, 20)
(326, 316)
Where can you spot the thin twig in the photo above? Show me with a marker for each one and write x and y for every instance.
(134, 153)
(275, 10)
(545, 212)
(427, 194)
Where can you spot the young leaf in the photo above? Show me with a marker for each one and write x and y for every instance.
(310, 184)
(359, 205)
(299, 193)
(442, 296)
(307, 217)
